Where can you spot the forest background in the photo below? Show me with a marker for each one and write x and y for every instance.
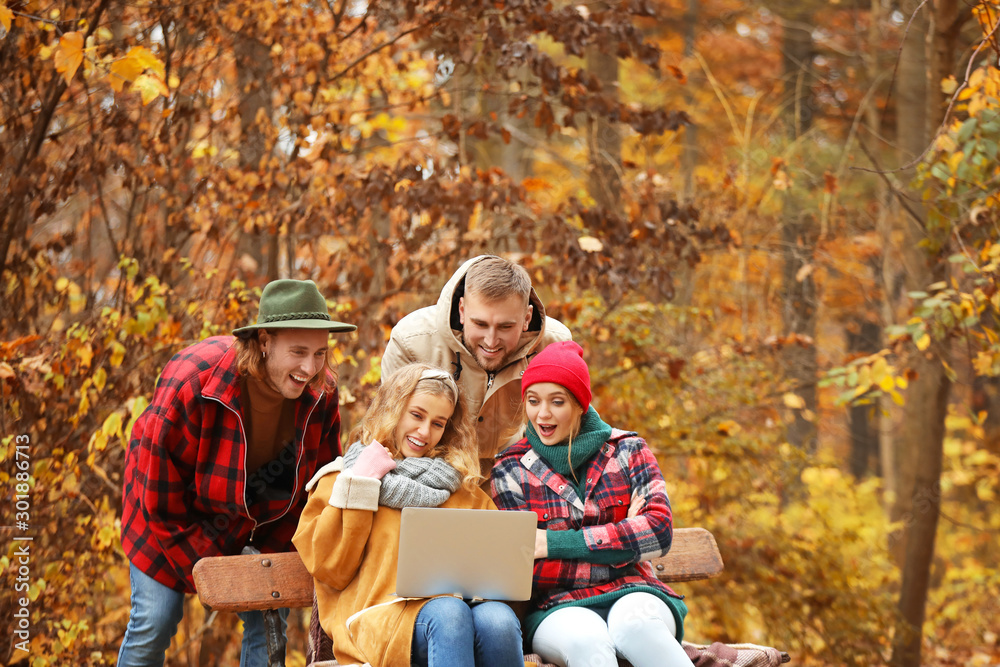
(772, 226)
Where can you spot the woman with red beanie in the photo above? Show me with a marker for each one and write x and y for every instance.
(603, 513)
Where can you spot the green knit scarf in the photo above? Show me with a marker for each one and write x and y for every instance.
(592, 436)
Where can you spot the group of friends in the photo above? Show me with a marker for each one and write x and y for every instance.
(484, 403)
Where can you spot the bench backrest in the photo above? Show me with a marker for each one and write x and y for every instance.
(271, 581)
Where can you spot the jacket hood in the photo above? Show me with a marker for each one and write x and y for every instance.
(448, 319)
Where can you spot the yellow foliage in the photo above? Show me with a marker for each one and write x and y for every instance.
(204, 148)
(112, 425)
(85, 354)
(124, 70)
(150, 86)
(135, 406)
(793, 401)
(100, 378)
(117, 354)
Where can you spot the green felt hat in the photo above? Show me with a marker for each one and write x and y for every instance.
(293, 304)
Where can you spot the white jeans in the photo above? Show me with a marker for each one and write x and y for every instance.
(638, 627)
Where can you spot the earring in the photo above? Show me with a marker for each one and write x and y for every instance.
(265, 353)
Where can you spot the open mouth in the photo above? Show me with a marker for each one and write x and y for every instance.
(490, 351)
(546, 430)
(299, 380)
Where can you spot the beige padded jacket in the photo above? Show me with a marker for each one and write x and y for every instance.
(433, 335)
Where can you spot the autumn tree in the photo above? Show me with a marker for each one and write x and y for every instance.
(163, 161)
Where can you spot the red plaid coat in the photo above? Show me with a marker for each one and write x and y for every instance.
(186, 492)
(521, 480)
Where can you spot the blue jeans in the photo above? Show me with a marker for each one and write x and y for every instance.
(450, 632)
(152, 623)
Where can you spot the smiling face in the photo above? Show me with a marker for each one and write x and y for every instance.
(292, 358)
(553, 412)
(492, 329)
(423, 422)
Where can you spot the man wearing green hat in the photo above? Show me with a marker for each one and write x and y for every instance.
(219, 461)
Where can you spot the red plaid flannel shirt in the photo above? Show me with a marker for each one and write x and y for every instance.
(521, 480)
(186, 491)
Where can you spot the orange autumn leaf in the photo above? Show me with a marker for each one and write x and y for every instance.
(69, 55)
(6, 17)
(535, 184)
(829, 183)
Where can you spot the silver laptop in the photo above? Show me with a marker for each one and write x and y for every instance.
(478, 554)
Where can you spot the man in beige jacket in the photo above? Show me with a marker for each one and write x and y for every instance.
(487, 324)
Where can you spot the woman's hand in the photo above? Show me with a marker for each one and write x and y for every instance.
(541, 543)
(636, 505)
(375, 461)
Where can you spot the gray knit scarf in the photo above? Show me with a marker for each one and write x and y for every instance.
(416, 482)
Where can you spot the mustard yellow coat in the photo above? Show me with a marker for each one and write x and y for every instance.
(350, 545)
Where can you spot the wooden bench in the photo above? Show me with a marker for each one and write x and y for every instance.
(268, 582)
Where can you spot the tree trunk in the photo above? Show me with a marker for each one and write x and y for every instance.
(862, 418)
(799, 235)
(986, 398)
(493, 152)
(799, 232)
(514, 156)
(888, 411)
(796, 64)
(924, 431)
(604, 138)
(918, 498)
(253, 59)
(689, 152)
(948, 20)
(911, 130)
(684, 275)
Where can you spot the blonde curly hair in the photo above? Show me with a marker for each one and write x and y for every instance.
(458, 445)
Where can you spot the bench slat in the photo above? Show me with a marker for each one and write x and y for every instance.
(270, 581)
(693, 555)
(245, 583)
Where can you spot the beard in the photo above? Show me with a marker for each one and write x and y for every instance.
(488, 365)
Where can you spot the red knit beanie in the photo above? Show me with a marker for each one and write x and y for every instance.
(563, 364)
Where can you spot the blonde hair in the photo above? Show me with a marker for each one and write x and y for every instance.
(458, 445)
(250, 362)
(497, 279)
